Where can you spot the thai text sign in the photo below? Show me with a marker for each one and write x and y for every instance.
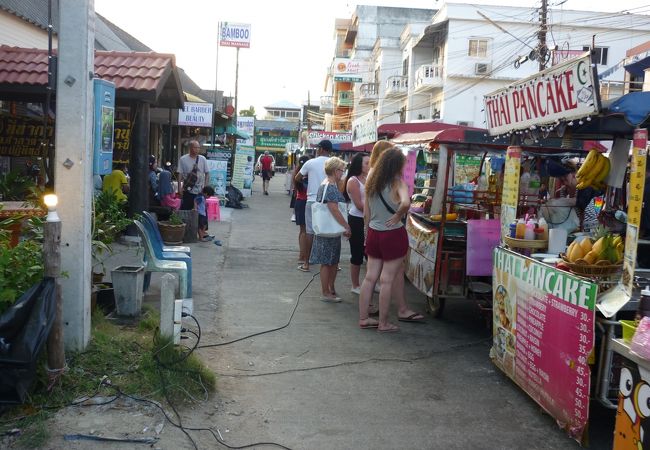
(273, 141)
(364, 129)
(510, 195)
(20, 136)
(195, 114)
(349, 70)
(543, 332)
(235, 35)
(122, 141)
(563, 92)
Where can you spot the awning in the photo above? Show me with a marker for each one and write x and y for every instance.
(389, 130)
(618, 118)
(637, 68)
(230, 129)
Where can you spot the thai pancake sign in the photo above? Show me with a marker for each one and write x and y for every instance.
(563, 92)
(543, 333)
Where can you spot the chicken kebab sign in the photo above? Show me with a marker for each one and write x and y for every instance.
(564, 92)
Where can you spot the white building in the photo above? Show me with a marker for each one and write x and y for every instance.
(440, 70)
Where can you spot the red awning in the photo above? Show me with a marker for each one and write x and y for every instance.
(391, 130)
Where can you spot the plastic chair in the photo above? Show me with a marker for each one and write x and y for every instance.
(153, 264)
(153, 226)
(213, 208)
(160, 253)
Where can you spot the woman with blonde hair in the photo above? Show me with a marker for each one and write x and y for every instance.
(387, 202)
(326, 251)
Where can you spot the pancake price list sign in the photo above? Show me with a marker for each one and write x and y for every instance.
(543, 333)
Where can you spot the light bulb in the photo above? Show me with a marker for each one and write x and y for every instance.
(50, 200)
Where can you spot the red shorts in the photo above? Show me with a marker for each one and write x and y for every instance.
(387, 245)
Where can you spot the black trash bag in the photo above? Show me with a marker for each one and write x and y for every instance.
(234, 198)
(24, 329)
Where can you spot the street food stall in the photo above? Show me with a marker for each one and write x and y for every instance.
(548, 307)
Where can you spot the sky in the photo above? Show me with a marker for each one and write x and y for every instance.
(292, 41)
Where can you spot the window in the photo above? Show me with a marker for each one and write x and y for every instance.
(599, 55)
(405, 67)
(478, 48)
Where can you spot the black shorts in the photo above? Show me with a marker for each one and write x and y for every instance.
(203, 222)
(299, 210)
(266, 175)
(356, 240)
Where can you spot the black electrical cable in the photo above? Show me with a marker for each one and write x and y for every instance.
(293, 312)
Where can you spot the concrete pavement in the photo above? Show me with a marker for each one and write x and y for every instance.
(321, 382)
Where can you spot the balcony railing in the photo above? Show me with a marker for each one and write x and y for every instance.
(326, 103)
(345, 98)
(368, 93)
(397, 85)
(610, 89)
(428, 76)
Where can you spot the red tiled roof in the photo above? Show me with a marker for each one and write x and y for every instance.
(130, 71)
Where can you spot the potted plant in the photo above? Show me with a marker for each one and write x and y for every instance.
(109, 220)
(172, 230)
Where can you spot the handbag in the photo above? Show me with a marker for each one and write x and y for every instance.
(391, 210)
(323, 222)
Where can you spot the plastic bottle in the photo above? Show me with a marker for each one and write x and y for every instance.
(533, 185)
(529, 234)
(524, 182)
(644, 305)
(544, 226)
(513, 230)
(520, 231)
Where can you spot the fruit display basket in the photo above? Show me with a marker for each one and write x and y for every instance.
(601, 268)
(525, 243)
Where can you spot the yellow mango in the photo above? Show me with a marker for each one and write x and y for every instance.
(586, 245)
(577, 253)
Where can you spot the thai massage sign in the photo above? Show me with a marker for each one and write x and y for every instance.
(543, 334)
(235, 35)
(563, 92)
(20, 136)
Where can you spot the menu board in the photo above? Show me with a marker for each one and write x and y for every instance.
(421, 260)
(543, 334)
(634, 207)
(510, 194)
(242, 173)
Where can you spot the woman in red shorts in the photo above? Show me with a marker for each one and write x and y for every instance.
(387, 202)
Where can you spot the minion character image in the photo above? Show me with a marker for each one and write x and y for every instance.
(633, 409)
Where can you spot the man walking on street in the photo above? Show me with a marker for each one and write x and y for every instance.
(314, 171)
(267, 164)
(193, 171)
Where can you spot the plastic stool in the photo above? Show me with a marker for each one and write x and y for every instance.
(213, 209)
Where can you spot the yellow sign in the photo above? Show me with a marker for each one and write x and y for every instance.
(510, 195)
(634, 206)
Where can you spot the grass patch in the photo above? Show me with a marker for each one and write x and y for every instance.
(133, 357)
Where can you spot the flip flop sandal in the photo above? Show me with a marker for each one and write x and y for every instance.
(412, 318)
(302, 269)
(367, 325)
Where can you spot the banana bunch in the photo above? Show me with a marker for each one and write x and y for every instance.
(594, 171)
(607, 249)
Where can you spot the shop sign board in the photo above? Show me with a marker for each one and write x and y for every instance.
(634, 206)
(274, 141)
(20, 136)
(247, 125)
(315, 137)
(510, 194)
(218, 167)
(242, 172)
(563, 92)
(543, 333)
(235, 35)
(364, 129)
(421, 260)
(350, 70)
(195, 115)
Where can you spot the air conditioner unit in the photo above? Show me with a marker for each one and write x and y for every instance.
(482, 69)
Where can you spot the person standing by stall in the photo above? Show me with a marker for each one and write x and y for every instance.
(355, 194)
(314, 171)
(326, 251)
(387, 202)
(193, 170)
(300, 203)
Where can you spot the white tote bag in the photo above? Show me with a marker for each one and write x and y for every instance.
(322, 220)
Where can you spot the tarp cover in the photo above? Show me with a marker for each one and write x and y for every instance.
(635, 107)
(24, 328)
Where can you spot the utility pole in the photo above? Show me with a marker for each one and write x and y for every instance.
(542, 50)
(73, 163)
(216, 84)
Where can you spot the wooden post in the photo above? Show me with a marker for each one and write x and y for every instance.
(52, 268)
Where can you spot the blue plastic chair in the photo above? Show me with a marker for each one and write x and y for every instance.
(155, 231)
(155, 256)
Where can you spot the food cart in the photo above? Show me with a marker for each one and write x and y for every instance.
(545, 312)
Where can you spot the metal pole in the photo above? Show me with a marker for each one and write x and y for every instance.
(542, 36)
(216, 76)
(52, 268)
